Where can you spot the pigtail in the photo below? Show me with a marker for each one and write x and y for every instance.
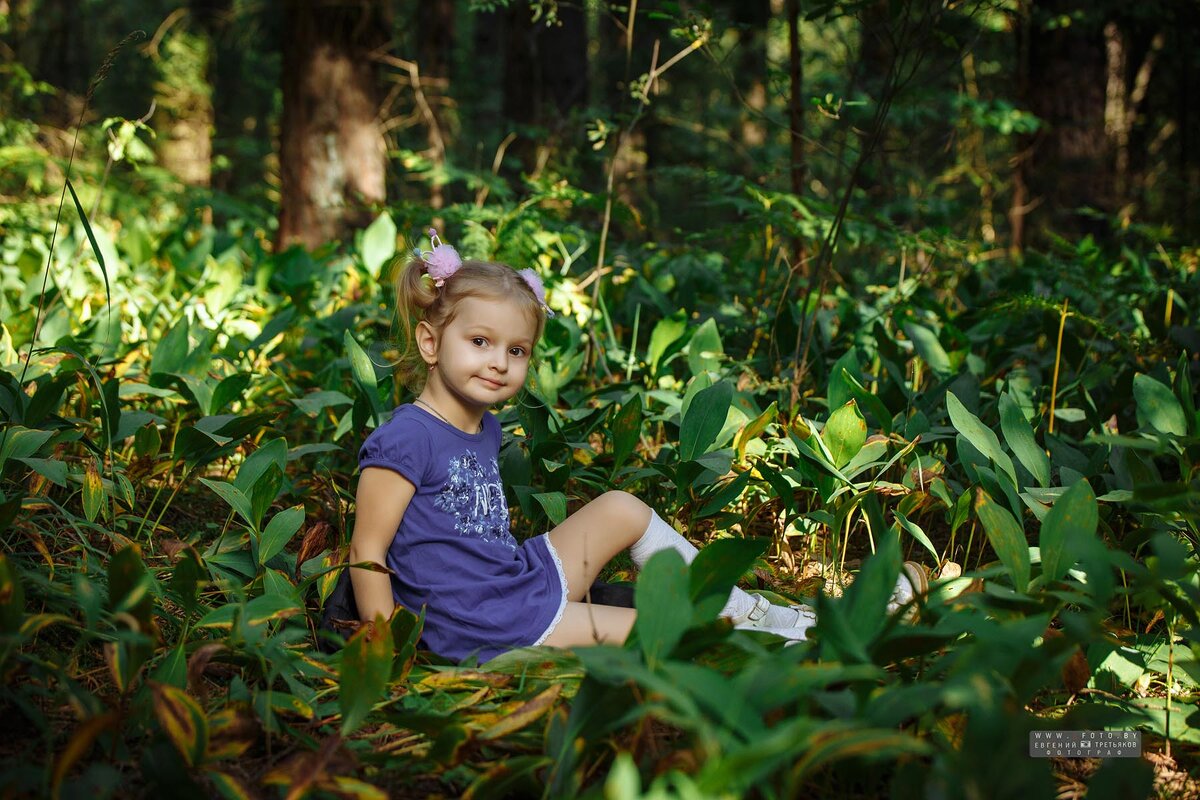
(415, 293)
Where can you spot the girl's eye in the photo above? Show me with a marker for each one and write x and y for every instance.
(518, 352)
(478, 341)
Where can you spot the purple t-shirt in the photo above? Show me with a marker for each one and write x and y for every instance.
(454, 553)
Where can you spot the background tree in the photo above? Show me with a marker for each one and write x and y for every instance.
(331, 149)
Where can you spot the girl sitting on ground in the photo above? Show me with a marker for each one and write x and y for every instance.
(431, 507)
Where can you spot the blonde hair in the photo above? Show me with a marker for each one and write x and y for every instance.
(418, 300)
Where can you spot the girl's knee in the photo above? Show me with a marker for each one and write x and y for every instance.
(626, 507)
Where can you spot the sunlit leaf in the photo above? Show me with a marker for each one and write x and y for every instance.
(665, 335)
(1019, 435)
(980, 436)
(1157, 406)
(626, 429)
(182, 719)
(525, 715)
(663, 604)
(279, 531)
(929, 348)
(704, 349)
(1007, 538)
(1067, 529)
(365, 669)
(704, 419)
(844, 433)
(234, 497)
(378, 243)
(554, 504)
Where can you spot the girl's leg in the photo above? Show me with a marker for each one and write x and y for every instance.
(614, 521)
(586, 623)
(589, 538)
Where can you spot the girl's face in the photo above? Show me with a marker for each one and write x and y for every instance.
(482, 356)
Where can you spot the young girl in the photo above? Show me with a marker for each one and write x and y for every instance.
(431, 506)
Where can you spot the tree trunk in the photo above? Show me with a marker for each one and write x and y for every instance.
(183, 93)
(1070, 160)
(331, 150)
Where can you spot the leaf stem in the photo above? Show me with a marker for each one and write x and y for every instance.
(1062, 323)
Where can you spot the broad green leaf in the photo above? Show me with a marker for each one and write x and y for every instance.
(694, 387)
(665, 334)
(51, 469)
(22, 442)
(704, 419)
(93, 490)
(554, 504)
(1068, 528)
(626, 429)
(753, 430)
(252, 469)
(378, 243)
(704, 349)
(229, 389)
(1019, 435)
(980, 436)
(279, 531)
(364, 672)
(172, 351)
(263, 493)
(270, 607)
(130, 586)
(1157, 406)
(664, 610)
(869, 401)
(364, 375)
(182, 719)
(315, 402)
(234, 497)
(866, 599)
(199, 389)
(1007, 538)
(928, 348)
(716, 570)
(731, 491)
(844, 434)
(838, 393)
(840, 641)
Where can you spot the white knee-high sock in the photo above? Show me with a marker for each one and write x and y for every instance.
(660, 535)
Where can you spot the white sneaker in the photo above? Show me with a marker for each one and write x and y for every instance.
(756, 619)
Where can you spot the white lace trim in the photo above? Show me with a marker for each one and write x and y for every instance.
(562, 581)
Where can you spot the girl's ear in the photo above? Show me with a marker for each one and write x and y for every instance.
(427, 342)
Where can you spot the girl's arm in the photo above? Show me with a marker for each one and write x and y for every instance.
(383, 497)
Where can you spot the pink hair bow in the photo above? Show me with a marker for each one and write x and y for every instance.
(537, 287)
(442, 261)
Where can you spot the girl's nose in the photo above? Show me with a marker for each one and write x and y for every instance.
(500, 360)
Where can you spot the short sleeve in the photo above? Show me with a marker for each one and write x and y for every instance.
(400, 448)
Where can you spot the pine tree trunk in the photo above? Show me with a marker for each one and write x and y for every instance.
(331, 151)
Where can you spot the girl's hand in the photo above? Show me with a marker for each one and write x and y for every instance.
(383, 497)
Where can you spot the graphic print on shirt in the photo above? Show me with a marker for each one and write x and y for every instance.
(474, 497)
